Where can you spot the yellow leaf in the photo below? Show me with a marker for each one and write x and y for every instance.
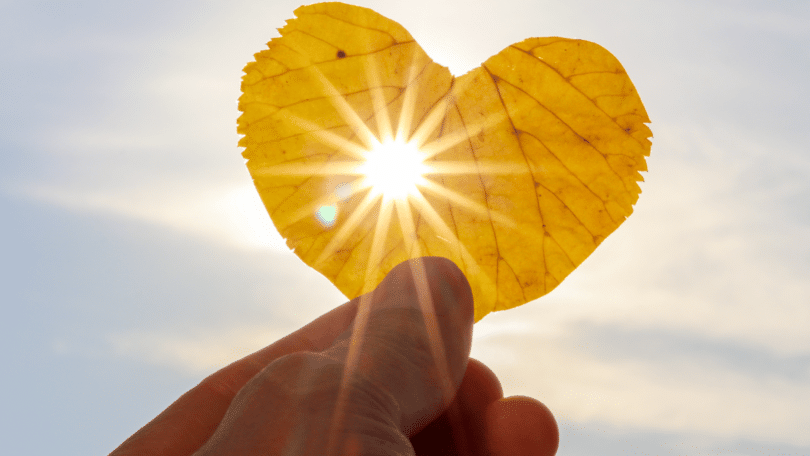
(366, 153)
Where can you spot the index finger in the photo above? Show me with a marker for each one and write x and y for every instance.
(191, 420)
(316, 336)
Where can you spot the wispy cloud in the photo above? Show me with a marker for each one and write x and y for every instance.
(223, 213)
(196, 353)
(692, 317)
(690, 320)
(683, 388)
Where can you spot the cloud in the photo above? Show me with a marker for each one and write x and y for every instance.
(704, 257)
(195, 353)
(224, 212)
(675, 389)
(691, 318)
(708, 250)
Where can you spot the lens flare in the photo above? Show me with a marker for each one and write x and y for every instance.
(327, 215)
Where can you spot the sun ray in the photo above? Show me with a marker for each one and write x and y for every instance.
(473, 269)
(433, 329)
(377, 242)
(327, 137)
(435, 338)
(408, 103)
(467, 203)
(345, 110)
(346, 228)
(310, 209)
(461, 167)
(349, 189)
(354, 344)
(447, 141)
(361, 318)
(430, 123)
(377, 97)
(332, 199)
(408, 228)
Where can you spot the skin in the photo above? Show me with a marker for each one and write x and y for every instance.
(387, 373)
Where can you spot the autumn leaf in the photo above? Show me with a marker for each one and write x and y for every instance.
(367, 153)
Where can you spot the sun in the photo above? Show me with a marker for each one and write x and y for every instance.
(393, 169)
(386, 175)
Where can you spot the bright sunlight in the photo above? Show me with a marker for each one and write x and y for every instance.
(393, 169)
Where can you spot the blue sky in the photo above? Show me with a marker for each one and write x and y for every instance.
(136, 258)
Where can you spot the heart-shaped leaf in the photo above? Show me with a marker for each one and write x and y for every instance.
(366, 153)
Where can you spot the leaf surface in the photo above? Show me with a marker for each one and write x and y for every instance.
(533, 157)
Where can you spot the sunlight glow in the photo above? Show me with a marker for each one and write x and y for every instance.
(389, 166)
(393, 169)
(387, 162)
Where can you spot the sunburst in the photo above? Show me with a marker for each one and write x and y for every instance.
(392, 169)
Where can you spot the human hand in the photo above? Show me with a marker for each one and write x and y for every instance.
(385, 374)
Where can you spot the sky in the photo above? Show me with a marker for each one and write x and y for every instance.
(137, 259)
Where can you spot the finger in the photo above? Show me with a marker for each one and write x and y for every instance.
(460, 429)
(316, 336)
(520, 426)
(189, 422)
(412, 338)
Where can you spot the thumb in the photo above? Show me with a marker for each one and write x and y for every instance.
(411, 338)
(404, 355)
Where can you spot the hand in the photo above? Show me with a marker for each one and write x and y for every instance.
(387, 373)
